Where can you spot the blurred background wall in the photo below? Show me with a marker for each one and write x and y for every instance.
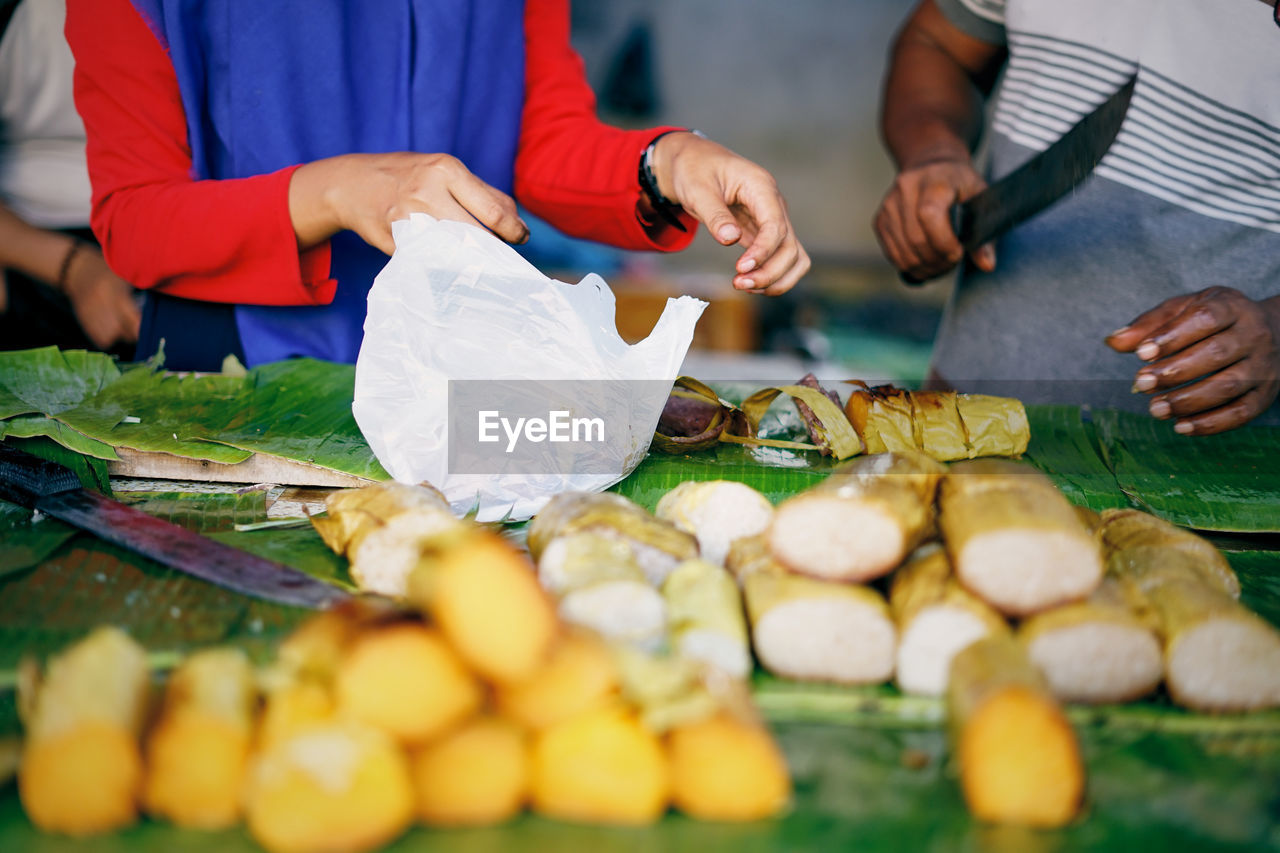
(794, 86)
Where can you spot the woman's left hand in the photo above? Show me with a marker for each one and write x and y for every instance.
(739, 202)
(1219, 352)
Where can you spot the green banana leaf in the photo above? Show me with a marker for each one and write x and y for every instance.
(149, 411)
(1064, 446)
(1259, 573)
(28, 541)
(39, 426)
(1227, 482)
(298, 410)
(88, 582)
(48, 380)
(91, 470)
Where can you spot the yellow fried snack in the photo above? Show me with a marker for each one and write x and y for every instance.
(724, 768)
(476, 775)
(600, 767)
(198, 751)
(485, 597)
(81, 770)
(407, 681)
(337, 786)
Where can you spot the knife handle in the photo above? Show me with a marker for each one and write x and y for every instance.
(25, 479)
(962, 224)
(960, 217)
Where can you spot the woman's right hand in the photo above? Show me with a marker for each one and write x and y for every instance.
(365, 193)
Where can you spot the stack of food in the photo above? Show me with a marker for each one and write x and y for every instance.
(459, 706)
(943, 425)
(1005, 598)
(979, 582)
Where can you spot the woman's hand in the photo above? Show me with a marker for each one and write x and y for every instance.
(102, 301)
(739, 202)
(365, 193)
(1219, 352)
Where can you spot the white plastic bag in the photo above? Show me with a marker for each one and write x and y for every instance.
(456, 303)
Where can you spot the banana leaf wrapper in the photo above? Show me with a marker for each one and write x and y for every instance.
(936, 618)
(882, 416)
(827, 425)
(693, 418)
(705, 617)
(657, 545)
(938, 429)
(994, 426)
(943, 424)
(1134, 531)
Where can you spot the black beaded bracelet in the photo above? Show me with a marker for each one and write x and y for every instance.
(74, 249)
(665, 207)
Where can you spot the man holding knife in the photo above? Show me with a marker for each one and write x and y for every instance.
(1187, 196)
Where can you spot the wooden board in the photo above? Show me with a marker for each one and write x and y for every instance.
(258, 468)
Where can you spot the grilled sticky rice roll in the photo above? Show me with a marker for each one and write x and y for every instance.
(810, 629)
(598, 584)
(704, 611)
(381, 529)
(1014, 539)
(861, 521)
(658, 546)
(1097, 650)
(716, 512)
(1018, 756)
(936, 617)
(1218, 655)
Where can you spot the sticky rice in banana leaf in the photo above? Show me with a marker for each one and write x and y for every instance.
(939, 432)
(881, 415)
(994, 426)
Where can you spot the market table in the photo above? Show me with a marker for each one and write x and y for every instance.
(870, 765)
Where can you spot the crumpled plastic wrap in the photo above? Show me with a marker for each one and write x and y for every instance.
(456, 303)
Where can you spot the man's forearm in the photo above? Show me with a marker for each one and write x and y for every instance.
(932, 108)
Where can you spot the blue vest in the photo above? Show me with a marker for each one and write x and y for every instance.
(270, 83)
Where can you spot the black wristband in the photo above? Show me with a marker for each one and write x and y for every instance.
(665, 207)
(65, 269)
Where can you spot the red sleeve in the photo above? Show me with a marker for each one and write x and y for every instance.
(213, 240)
(571, 169)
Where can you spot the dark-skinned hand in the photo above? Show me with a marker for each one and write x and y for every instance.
(1213, 358)
(913, 223)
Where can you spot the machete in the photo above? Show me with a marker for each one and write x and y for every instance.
(1043, 179)
(55, 491)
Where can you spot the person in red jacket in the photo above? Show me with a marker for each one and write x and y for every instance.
(247, 161)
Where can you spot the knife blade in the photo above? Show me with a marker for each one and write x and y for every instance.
(55, 491)
(1044, 178)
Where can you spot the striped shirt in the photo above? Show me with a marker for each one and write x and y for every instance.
(1187, 197)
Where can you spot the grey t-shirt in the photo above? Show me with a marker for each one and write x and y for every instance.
(1187, 197)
